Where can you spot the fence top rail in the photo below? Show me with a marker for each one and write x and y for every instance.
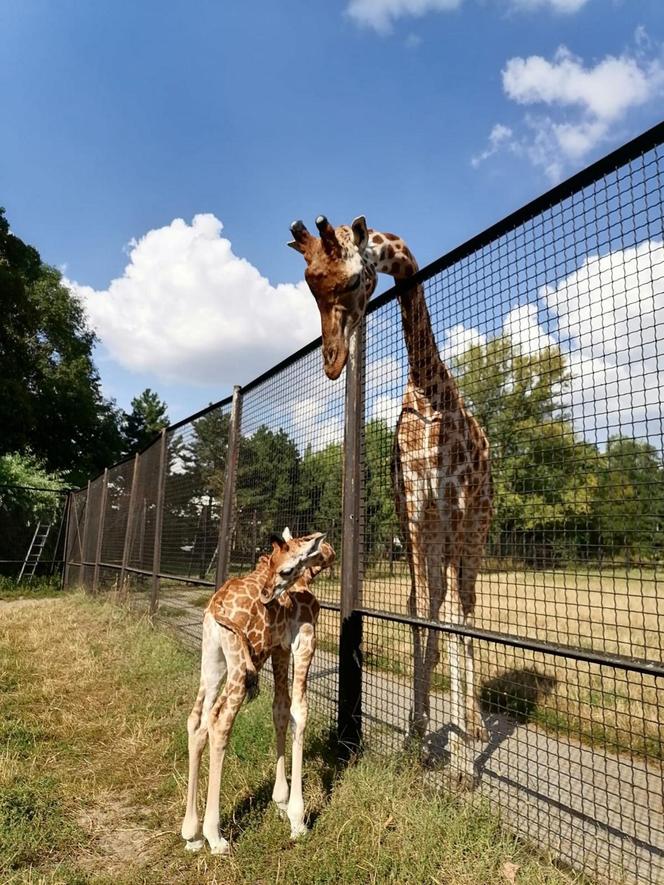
(628, 152)
(610, 163)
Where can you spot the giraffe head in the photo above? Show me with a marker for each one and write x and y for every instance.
(342, 278)
(290, 557)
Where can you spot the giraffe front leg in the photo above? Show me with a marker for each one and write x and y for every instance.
(303, 648)
(419, 607)
(461, 753)
(280, 712)
(221, 722)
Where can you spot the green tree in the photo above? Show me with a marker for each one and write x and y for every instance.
(147, 417)
(21, 505)
(50, 396)
(267, 485)
(319, 493)
(629, 500)
(380, 512)
(544, 476)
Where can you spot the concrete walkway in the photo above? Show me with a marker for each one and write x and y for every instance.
(599, 813)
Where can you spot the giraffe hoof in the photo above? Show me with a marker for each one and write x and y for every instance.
(194, 845)
(481, 733)
(298, 830)
(221, 847)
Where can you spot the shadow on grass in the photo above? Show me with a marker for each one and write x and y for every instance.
(516, 693)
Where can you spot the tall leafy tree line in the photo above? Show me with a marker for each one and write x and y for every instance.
(52, 411)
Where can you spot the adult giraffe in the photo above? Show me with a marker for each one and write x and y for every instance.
(441, 464)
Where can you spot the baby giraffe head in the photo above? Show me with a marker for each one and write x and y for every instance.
(290, 557)
(342, 277)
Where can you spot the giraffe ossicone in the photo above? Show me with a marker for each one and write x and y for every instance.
(441, 465)
(240, 632)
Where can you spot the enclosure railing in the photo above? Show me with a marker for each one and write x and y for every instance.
(550, 322)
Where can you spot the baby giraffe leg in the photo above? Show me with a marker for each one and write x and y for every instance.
(303, 651)
(213, 670)
(221, 722)
(280, 710)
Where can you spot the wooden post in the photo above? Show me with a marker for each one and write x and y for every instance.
(226, 524)
(129, 528)
(349, 713)
(84, 543)
(100, 531)
(158, 522)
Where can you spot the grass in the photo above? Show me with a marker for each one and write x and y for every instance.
(35, 588)
(93, 766)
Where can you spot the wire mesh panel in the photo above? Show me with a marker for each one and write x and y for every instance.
(196, 463)
(75, 531)
(118, 494)
(141, 547)
(290, 459)
(93, 513)
(547, 341)
(289, 474)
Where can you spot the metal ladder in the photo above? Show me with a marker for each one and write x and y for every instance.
(35, 551)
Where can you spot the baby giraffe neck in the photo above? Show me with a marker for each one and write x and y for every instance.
(392, 256)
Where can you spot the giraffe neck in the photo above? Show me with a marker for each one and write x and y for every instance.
(392, 256)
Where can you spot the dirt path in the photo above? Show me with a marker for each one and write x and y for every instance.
(599, 813)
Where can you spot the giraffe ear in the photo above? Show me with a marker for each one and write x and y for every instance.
(360, 232)
(278, 543)
(286, 534)
(295, 245)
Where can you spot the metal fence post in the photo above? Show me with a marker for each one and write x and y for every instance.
(226, 524)
(349, 712)
(69, 509)
(159, 522)
(84, 542)
(129, 528)
(100, 531)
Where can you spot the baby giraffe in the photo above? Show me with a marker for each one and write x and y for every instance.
(270, 612)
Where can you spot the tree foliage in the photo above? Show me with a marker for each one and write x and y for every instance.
(50, 395)
(148, 416)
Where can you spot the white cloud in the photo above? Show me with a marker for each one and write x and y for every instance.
(458, 339)
(604, 91)
(584, 103)
(498, 136)
(188, 309)
(380, 15)
(563, 6)
(607, 314)
(522, 325)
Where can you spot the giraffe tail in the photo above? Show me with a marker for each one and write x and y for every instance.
(251, 682)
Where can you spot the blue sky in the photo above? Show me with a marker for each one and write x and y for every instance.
(433, 118)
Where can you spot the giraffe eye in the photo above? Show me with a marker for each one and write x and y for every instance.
(287, 572)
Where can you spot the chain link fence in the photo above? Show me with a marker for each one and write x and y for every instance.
(550, 322)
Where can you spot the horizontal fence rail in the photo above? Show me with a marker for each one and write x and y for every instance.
(512, 631)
